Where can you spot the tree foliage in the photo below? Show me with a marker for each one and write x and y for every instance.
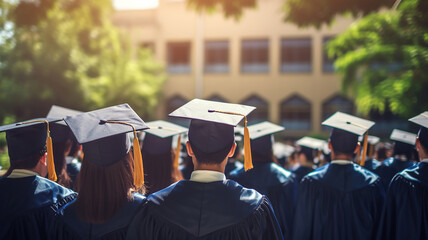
(67, 52)
(384, 60)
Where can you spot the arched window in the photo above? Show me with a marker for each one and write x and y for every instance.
(334, 104)
(217, 98)
(262, 109)
(296, 113)
(171, 105)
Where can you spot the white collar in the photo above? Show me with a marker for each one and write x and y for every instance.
(22, 173)
(341, 162)
(207, 176)
(425, 160)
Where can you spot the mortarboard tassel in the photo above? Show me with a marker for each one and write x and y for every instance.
(177, 152)
(138, 159)
(50, 159)
(363, 158)
(138, 164)
(248, 161)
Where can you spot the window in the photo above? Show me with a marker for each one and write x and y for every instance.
(327, 62)
(217, 98)
(178, 57)
(261, 112)
(255, 56)
(334, 104)
(216, 57)
(296, 55)
(296, 113)
(171, 105)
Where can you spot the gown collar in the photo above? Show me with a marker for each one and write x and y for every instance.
(207, 176)
(341, 162)
(425, 160)
(22, 173)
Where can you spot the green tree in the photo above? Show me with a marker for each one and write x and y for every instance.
(384, 60)
(67, 52)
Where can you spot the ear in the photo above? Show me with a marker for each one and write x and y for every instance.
(232, 150)
(418, 144)
(357, 148)
(189, 149)
(43, 159)
(329, 145)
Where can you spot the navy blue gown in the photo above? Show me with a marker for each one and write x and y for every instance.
(372, 164)
(28, 205)
(232, 166)
(339, 202)
(73, 169)
(301, 171)
(68, 226)
(389, 168)
(406, 209)
(277, 184)
(217, 210)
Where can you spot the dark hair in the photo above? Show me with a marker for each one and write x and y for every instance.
(103, 191)
(159, 171)
(211, 158)
(308, 152)
(403, 149)
(268, 157)
(74, 148)
(423, 138)
(343, 142)
(59, 152)
(28, 162)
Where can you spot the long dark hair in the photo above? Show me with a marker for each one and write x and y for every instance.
(159, 171)
(103, 191)
(60, 150)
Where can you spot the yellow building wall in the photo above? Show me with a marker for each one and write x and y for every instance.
(173, 21)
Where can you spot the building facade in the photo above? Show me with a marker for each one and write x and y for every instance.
(257, 60)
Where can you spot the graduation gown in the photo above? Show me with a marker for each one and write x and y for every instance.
(300, 172)
(389, 168)
(28, 205)
(277, 184)
(232, 166)
(339, 202)
(406, 209)
(372, 164)
(68, 226)
(73, 169)
(216, 210)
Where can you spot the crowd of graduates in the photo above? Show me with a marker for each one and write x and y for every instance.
(107, 174)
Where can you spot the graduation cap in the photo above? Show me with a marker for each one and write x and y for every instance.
(422, 121)
(29, 137)
(60, 132)
(262, 138)
(211, 127)
(309, 144)
(372, 140)
(158, 139)
(346, 129)
(403, 136)
(103, 134)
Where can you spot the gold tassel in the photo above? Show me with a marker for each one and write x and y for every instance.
(50, 159)
(138, 164)
(177, 152)
(248, 161)
(363, 158)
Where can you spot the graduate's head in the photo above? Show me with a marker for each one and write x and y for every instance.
(262, 141)
(423, 140)
(343, 142)
(308, 146)
(210, 142)
(108, 171)
(306, 155)
(344, 136)
(404, 143)
(211, 130)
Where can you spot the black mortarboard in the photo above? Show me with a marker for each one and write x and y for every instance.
(212, 126)
(158, 139)
(262, 138)
(61, 113)
(29, 137)
(346, 129)
(103, 134)
(60, 132)
(422, 120)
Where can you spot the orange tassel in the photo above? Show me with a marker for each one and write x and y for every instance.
(138, 164)
(248, 161)
(177, 152)
(363, 158)
(51, 165)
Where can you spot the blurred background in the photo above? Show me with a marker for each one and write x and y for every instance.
(297, 61)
